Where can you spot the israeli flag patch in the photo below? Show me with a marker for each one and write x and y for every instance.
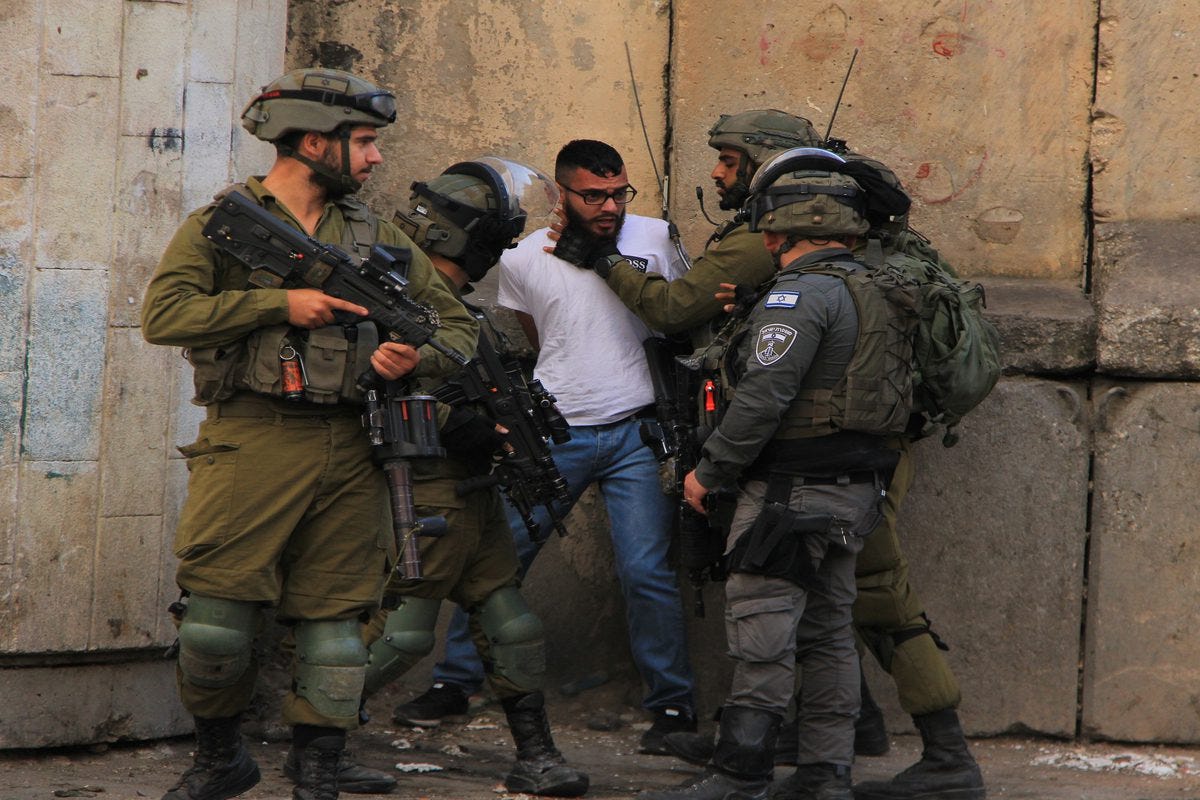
(782, 299)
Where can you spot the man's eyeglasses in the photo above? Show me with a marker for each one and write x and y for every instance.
(595, 197)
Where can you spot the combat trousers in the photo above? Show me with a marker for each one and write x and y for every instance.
(889, 618)
(778, 631)
(284, 508)
(472, 560)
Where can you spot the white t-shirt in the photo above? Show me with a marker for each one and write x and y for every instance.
(591, 356)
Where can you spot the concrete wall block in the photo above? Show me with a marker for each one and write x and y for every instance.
(1139, 92)
(206, 161)
(561, 74)
(210, 58)
(16, 254)
(77, 146)
(927, 97)
(127, 612)
(54, 563)
(21, 34)
(261, 36)
(1045, 326)
(82, 37)
(994, 530)
(108, 703)
(149, 191)
(12, 396)
(1149, 325)
(136, 407)
(10, 477)
(1142, 658)
(63, 401)
(152, 70)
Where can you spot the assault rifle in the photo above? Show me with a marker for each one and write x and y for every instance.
(276, 252)
(527, 473)
(675, 437)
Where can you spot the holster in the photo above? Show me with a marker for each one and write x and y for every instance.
(777, 543)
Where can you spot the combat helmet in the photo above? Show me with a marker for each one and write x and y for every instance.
(803, 192)
(476, 209)
(759, 134)
(321, 100)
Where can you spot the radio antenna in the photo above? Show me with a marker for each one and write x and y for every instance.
(836, 105)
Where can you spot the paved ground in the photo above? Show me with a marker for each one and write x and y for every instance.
(471, 757)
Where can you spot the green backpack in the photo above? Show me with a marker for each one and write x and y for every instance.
(956, 352)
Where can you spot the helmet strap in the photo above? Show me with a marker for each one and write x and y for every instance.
(337, 184)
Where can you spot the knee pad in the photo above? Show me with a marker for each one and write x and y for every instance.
(515, 639)
(407, 638)
(331, 663)
(216, 640)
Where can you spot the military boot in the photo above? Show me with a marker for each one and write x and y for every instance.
(870, 734)
(946, 771)
(221, 767)
(540, 767)
(697, 748)
(815, 782)
(319, 769)
(353, 778)
(742, 760)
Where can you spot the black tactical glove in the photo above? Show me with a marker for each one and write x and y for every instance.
(587, 252)
(471, 437)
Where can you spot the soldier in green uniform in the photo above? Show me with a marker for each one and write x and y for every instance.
(889, 617)
(285, 507)
(464, 219)
(814, 380)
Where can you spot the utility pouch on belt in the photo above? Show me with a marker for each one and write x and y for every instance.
(213, 370)
(777, 544)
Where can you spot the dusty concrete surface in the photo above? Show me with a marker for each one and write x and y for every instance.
(472, 757)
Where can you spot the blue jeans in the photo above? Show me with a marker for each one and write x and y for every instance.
(613, 457)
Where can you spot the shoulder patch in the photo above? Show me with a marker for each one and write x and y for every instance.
(773, 343)
(782, 299)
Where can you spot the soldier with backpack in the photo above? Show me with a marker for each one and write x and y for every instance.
(813, 379)
(890, 619)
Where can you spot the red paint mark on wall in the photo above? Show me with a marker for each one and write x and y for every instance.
(764, 46)
(926, 169)
(949, 45)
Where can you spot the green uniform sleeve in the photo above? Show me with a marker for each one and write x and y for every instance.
(191, 300)
(688, 301)
(459, 329)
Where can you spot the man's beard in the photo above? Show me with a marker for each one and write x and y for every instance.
(332, 184)
(580, 225)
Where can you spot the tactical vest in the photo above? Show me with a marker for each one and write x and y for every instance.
(875, 394)
(331, 358)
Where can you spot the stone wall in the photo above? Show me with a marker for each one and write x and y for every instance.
(1054, 545)
(118, 117)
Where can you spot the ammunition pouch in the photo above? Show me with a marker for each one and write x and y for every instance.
(332, 358)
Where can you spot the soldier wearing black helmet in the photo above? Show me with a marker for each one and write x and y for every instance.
(464, 219)
(811, 396)
(890, 619)
(285, 507)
